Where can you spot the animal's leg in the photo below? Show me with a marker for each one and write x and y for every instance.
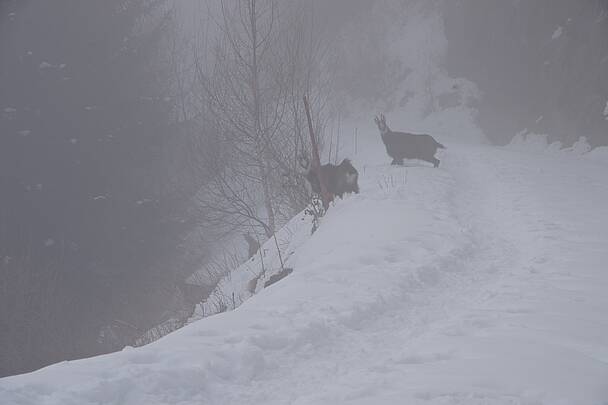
(394, 162)
(435, 162)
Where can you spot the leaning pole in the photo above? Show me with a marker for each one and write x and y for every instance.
(316, 160)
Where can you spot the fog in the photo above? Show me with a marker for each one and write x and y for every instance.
(136, 146)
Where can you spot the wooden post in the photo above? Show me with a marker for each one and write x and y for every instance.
(338, 141)
(316, 160)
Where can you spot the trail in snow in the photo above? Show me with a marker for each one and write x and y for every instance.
(483, 321)
(481, 282)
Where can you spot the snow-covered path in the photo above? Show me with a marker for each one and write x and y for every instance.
(509, 309)
(481, 282)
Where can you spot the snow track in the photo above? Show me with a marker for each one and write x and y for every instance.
(481, 282)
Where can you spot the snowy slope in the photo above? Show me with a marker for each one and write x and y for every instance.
(481, 282)
(250, 277)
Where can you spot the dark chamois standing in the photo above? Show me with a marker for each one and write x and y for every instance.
(339, 179)
(402, 145)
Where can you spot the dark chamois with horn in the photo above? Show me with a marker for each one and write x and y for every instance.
(403, 145)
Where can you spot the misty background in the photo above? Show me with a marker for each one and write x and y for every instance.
(138, 142)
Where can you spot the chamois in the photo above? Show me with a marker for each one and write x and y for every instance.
(339, 179)
(402, 145)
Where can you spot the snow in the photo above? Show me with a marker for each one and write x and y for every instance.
(46, 65)
(529, 142)
(580, 147)
(606, 111)
(558, 32)
(525, 141)
(249, 278)
(599, 154)
(480, 282)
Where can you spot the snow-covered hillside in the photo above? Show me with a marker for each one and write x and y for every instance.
(481, 282)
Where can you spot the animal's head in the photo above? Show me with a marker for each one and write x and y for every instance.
(351, 175)
(381, 123)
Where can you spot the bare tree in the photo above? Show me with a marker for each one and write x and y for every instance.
(303, 53)
(265, 60)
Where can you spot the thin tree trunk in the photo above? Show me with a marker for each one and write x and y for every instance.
(256, 117)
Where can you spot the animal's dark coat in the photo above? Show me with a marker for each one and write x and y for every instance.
(403, 145)
(339, 179)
